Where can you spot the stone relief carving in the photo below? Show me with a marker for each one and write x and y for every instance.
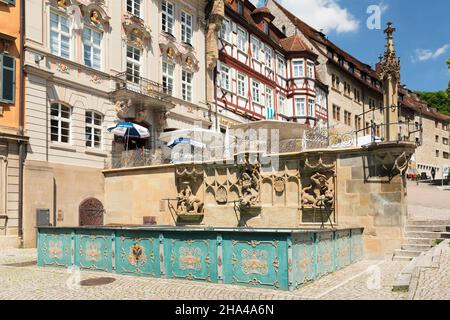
(320, 191)
(249, 183)
(187, 202)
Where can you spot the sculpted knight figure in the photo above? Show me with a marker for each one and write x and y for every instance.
(188, 202)
(215, 22)
(249, 183)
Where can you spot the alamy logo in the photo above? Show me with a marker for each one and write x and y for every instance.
(374, 20)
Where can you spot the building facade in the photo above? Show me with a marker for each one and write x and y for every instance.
(430, 131)
(89, 65)
(356, 97)
(11, 133)
(264, 75)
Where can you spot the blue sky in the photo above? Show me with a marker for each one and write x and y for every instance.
(422, 39)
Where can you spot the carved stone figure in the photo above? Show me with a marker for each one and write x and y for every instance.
(188, 203)
(320, 194)
(95, 16)
(249, 185)
(216, 17)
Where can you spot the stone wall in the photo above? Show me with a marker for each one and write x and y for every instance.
(369, 191)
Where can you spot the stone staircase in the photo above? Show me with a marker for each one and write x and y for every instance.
(419, 236)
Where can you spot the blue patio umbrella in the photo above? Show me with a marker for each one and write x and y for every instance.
(171, 144)
(129, 130)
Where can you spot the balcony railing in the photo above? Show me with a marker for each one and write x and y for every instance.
(140, 85)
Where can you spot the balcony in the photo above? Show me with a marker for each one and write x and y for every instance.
(141, 92)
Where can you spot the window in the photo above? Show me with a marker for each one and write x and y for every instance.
(225, 77)
(437, 153)
(445, 127)
(283, 29)
(240, 7)
(436, 138)
(335, 81)
(445, 141)
(445, 155)
(266, 27)
(167, 79)
(59, 35)
(92, 43)
(242, 85)
(347, 88)
(358, 123)
(133, 64)
(282, 105)
(93, 129)
(225, 31)
(134, 7)
(436, 124)
(311, 104)
(371, 103)
(242, 38)
(60, 123)
(256, 48)
(300, 109)
(269, 97)
(336, 113)
(310, 70)
(167, 16)
(270, 109)
(186, 85)
(256, 92)
(357, 95)
(347, 118)
(7, 78)
(281, 66)
(298, 68)
(186, 27)
(268, 53)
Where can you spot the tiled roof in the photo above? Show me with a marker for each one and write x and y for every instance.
(317, 36)
(414, 103)
(294, 43)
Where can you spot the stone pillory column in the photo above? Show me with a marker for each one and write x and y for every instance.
(389, 71)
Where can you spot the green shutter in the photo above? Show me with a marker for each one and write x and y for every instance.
(7, 78)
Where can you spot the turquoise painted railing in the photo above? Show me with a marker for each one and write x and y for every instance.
(270, 258)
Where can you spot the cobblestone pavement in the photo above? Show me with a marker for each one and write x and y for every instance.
(427, 202)
(20, 278)
(434, 283)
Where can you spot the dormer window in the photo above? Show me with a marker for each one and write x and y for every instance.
(266, 27)
(240, 7)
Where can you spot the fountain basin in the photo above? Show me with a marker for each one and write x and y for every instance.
(281, 259)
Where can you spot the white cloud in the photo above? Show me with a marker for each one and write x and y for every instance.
(427, 54)
(327, 15)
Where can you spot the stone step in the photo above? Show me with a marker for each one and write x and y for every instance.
(426, 228)
(418, 241)
(423, 234)
(445, 235)
(428, 222)
(416, 247)
(402, 258)
(406, 253)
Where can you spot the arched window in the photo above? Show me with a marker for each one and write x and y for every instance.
(93, 129)
(60, 118)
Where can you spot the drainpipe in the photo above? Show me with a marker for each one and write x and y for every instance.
(22, 143)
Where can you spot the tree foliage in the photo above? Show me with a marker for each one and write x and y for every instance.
(439, 99)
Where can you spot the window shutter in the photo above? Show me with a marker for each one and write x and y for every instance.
(8, 78)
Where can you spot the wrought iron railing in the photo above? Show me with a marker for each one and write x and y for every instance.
(141, 85)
